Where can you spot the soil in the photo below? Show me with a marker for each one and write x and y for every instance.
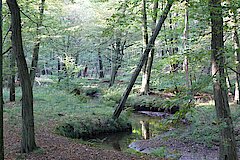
(55, 147)
(176, 148)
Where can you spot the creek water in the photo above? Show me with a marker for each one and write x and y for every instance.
(143, 127)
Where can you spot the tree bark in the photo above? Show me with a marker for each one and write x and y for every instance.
(12, 77)
(145, 87)
(116, 59)
(143, 59)
(28, 136)
(185, 42)
(1, 87)
(151, 55)
(101, 74)
(236, 51)
(227, 138)
(37, 44)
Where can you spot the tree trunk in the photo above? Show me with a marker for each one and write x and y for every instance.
(37, 45)
(12, 77)
(143, 59)
(59, 69)
(101, 74)
(236, 52)
(28, 136)
(1, 87)
(151, 55)
(116, 60)
(227, 138)
(145, 87)
(185, 43)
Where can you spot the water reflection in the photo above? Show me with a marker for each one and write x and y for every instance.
(145, 129)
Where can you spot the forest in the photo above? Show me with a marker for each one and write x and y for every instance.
(120, 79)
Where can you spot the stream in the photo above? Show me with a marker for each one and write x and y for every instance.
(144, 126)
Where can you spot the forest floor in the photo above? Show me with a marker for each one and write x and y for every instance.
(52, 146)
(50, 102)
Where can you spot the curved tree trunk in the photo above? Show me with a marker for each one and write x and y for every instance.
(28, 136)
(227, 138)
(37, 45)
(143, 59)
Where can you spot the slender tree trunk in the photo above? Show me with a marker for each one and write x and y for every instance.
(101, 74)
(236, 52)
(59, 69)
(185, 43)
(227, 138)
(37, 44)
(151, 55)
(116, 60)
(1, 87)
(28, 136)
(145, 87)
(143, 59)
(12, 77)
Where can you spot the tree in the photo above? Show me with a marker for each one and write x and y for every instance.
(185, 42)
(28, 136)
(151, 54)
(37, 44)
(100, 63)
(1, 88)
(117, 56)
(143, 59)
(145, 86)
(12, 77)
(227, 139)
(236, 49)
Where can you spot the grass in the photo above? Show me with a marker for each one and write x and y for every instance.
(52, 103)
(55, 103)
(203, 128)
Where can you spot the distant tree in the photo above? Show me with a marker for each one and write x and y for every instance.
(117, 56)
(236, 44)
(37, 43)
(100, 63)
(227, 137)
(185, 42)
(1, 88)
(28, 136)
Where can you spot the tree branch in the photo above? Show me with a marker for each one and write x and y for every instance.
(7, 50)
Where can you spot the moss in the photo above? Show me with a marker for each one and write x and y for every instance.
(89, 128)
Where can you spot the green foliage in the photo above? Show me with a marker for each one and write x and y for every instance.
(112, 96)
(204, 128)
(160, 152)
(89, 128)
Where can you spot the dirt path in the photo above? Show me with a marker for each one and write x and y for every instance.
(55, 147)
